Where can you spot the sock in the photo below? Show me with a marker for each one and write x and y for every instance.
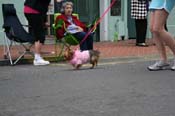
(37, 56)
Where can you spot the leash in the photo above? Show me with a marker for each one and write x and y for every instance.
(99, 20)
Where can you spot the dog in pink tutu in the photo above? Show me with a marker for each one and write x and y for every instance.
(77, 58)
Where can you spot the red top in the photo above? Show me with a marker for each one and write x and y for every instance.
(60, 32)
(29, 10)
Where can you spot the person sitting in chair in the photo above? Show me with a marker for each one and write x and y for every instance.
(74, 26)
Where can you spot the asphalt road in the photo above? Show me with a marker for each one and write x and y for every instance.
(111, 89)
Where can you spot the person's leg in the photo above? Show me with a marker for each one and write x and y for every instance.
(144, 30)
(137, 25)
(157, 22)
(38, 47)
(166, 28)
(80, 36)
(141, 28)
(40, 35)
(90, 42)
(36, 23)
(166, 36)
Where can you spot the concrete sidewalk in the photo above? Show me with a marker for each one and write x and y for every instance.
(120, 49)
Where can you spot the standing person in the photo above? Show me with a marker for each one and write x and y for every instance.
(160, 10)
(139, 12)
(58, 4)
(35, 12)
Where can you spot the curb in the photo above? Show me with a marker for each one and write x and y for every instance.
(6, 62)
(54, 59)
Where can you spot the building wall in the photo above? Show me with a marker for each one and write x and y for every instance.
(113, 25)
(104, 23)
(171, 22)
(107, 26)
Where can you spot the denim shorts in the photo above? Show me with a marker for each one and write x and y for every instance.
(162, 4)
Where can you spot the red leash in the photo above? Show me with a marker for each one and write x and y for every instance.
(99, 20)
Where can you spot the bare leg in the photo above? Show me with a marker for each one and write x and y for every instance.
(158, 20)
(161, 16)
(157, 23)
(38, 59)
(165, 36)
(38, 46)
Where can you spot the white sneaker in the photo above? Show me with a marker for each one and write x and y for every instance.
(173, 67)
(159, 65)
(40, 62)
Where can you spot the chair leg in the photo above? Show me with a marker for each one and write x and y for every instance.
(22, 55)
(7, 52)
(56, 49)
(62, 44)
(61, 52)
(27, 51)
(4, 47)
(7, 48)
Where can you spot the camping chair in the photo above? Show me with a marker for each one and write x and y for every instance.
(14, 33)
(68, 39)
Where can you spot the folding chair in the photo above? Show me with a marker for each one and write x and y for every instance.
(14, 33)
(68, 39)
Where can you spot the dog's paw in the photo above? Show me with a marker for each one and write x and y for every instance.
(78, 66)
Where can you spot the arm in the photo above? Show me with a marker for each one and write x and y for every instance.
(81, 25)
(59, 27)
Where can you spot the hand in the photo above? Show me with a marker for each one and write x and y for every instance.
(47, 24)
(79, 29)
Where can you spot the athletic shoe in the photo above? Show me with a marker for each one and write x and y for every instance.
(159, 65)
(40, 62)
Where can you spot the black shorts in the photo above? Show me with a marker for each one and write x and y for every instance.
(36, 23)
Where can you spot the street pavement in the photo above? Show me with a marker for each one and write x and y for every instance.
(114, 88)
